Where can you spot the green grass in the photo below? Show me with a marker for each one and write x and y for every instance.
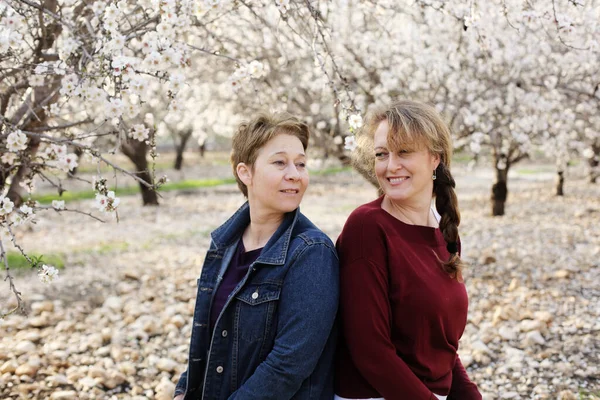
(330, 171)
(190, 184)
(131, 190)
(534, 170)
(461, 158)
(17, 261)
(585, 394)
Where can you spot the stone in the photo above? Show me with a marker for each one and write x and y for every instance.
(9, 366)
(528, 325)
(64, 395)
(167, 365)
(178, 321)
(26, 369)
(533, 338)
(114, 303)
(165, 390)
(507, 333)
(561, 274)
(57, 380)
(567, 395)
(39, 322)
(38, 307)
(25, 347)
(113, 380)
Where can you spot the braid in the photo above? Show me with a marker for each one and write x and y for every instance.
(446, 204)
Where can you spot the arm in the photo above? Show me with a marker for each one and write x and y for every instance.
(462, 387)
(307, 310)
(365, 309)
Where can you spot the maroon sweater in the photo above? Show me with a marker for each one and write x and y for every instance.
(402, 315)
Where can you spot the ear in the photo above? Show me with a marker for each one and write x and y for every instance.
(436, 159)
(244, 172)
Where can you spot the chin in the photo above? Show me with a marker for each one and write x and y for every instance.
(286, 207)
(397, 196)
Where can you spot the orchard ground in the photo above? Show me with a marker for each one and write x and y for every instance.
(116, 324)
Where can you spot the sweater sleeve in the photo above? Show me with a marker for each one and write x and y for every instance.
(366, 315)
(462, 387)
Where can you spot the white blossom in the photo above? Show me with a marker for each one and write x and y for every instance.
(25, 209)
(47, 274)
(350, 143)
(58, 204)
(355, 121)
(8, 158)
(107, 203)
(114, 108)
(16, 141)
(36, 80)
(256, 69)
(139, 132)
(6, 205)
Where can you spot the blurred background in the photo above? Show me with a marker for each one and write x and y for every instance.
(130, 92)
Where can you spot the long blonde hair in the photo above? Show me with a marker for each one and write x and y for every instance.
(413, 124)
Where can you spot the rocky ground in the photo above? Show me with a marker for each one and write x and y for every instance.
(116, 324)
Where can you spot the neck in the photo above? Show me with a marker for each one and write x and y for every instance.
(413, 214)
(262, 226)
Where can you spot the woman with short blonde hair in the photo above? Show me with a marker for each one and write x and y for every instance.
(268, 293)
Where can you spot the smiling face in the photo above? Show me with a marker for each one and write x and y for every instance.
(405, 175)
(278, 179)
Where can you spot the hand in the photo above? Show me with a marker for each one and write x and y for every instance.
(179, 397)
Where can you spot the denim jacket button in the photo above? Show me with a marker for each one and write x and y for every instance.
(224, 333)
(255, 295)
(219, 369)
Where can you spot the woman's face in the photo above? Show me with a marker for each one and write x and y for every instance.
(404, 176)
(277, 181)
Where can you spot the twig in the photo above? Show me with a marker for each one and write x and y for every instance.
(560, 38)
(20, 305)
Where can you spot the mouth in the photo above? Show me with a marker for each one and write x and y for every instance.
(290, 191)
(397, 180)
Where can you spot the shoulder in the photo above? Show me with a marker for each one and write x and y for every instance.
(307, 234)
(366, 219)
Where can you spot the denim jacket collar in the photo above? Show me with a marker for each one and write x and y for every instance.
(275, 250)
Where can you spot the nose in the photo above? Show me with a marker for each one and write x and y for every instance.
(394, 162)
(292, 173)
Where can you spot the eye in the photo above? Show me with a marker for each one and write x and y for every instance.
(380, 155)
(279, 163)
(301, 165)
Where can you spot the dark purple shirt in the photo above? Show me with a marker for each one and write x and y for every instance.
(236, 271)
(402, 315)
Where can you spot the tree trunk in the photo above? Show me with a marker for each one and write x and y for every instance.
(136, 151)
(499, 192)
(560, 182)
(180, 148)
(594, 163)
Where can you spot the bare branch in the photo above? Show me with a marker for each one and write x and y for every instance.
(20, 305)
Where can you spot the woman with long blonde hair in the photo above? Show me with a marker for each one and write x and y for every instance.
(403, 302)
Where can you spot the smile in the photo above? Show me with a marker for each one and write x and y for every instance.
(395, 181)
(290, 191)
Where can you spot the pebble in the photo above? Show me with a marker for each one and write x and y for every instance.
(119, 327)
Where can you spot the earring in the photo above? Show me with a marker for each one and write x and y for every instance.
(434, 177)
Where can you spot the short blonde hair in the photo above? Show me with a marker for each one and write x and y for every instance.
(251, 136)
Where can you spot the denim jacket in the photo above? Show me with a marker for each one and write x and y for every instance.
(275, 337)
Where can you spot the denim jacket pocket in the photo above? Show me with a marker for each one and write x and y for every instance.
(255, 310)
